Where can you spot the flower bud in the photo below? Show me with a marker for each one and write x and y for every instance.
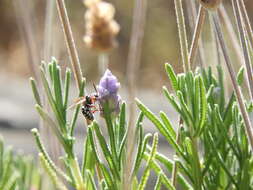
(108, 92)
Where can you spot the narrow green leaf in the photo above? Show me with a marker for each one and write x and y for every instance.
(44, 115)
(181, 180)
(122, 121)
(185, 109)
(59, 185)
(108, 178)
(88, 162)
(106, 151)
(146, 173)
(167, 124)
(221, 84)
(35, 91)
(57, 86)
(110, 128)
(240, 76)
(163, 130)
(203, 104)
(195, 163)
(172, 76)
(46, 156)
(221, 161)
(66, 88)
(75, 114)
(167, 182)
(51, 100)
(140, 151)
(158, 182)
(91, 180)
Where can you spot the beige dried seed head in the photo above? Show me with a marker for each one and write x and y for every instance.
(210, 4)
(101, 28)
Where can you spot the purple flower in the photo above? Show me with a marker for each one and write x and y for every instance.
(108, 92)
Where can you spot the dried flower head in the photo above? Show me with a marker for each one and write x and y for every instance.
(210, 4)
(108, 92)
(101, 28)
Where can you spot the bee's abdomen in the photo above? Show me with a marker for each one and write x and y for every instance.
(87, 113)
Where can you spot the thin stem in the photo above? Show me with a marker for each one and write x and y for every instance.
(246, 21)
(70, 41)
(174, 170)
(192, 17)
(182, 34)
(196, 36)
(133, 64)
(238, 92)
(103, 62)
(231, 33)
(26, 24)
(242, 35)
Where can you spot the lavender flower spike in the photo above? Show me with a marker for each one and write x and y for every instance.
(108, 92)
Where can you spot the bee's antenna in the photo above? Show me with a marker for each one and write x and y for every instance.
(95, 88)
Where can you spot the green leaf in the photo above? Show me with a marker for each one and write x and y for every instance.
(44, 115)
(187, 114)
(57, 86)
(221, 84)
(158, 182)
(43, 151)
(108, 178)
(172, 76)
(110, 128)
(220, 160)
(88, 157)
(35, 91)
(106, 151)
(140, 151)
(91, 180)
(167, 124)
(121, 128)
(195, 163)
(51, 101)
(75, 115)
(163, 130)
(240, 76)
(203, 105)
(66, 88)
(181, 180)
(59, 185)
(146, 173)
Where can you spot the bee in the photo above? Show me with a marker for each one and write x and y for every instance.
(88, 105)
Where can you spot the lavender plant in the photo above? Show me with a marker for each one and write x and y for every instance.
(213, 144)
(19, 172)
(94, 173)
(212, 151)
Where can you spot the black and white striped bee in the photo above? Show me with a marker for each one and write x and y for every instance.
(88, 105)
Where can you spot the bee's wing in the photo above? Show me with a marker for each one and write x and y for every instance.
(78, 101)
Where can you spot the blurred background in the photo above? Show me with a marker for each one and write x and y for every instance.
(30, 32)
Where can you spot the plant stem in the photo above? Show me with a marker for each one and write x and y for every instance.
(196, 36)
(76, 173)
(242, 35)
(246, 21)
(133, 64)
(70, 41)
(182, 34)
(238, 92)
(192, 17)
(174, 170)
(231, 33)
(103, 62)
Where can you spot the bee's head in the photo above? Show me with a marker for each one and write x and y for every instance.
(88, 100)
